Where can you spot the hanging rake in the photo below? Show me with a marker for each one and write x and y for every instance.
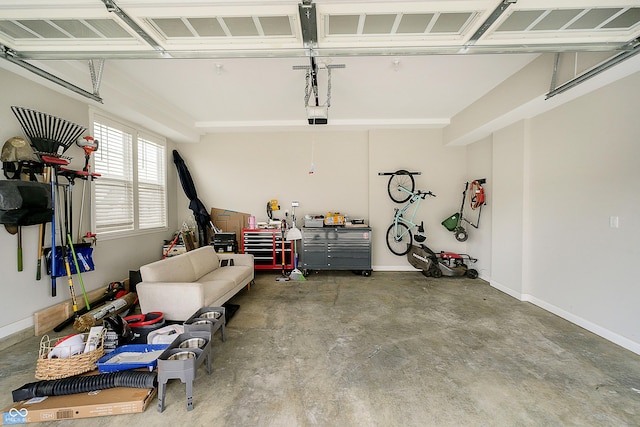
(49, 135)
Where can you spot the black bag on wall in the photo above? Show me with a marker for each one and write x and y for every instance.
(24, 202)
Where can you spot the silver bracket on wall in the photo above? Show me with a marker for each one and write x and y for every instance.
(96, 75)
(633, 49)
(308, 23)
(554, 76)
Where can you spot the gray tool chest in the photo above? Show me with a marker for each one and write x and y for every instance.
(336, 248)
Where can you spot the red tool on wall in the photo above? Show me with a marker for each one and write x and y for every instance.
(89, 145)
(455, 221)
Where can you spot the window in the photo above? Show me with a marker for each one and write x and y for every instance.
(151, 184)
(130, 194)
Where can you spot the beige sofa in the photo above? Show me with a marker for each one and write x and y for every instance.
(181, 285)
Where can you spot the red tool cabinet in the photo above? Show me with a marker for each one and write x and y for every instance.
(265, 244)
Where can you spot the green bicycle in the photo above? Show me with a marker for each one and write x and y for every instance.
(401, 189)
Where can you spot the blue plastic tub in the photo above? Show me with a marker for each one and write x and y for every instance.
(130, 361)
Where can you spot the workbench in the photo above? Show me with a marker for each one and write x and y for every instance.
(336, 248)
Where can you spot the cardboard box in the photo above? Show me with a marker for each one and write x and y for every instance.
(112, 401)
(230, 221)
(175, 250)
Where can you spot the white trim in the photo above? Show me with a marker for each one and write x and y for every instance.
(394, 268)
(16, 327)
(343, 124)
(506, 290)
(570, 317)
(583, 323)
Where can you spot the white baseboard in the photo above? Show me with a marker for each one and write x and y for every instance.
(16, 327)
(394, 268)
(506, 290)
(589, 326)
(576, 320)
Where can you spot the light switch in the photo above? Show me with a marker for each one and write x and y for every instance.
(613, 222)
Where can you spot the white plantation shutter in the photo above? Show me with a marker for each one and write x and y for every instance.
(114, 187)
(151, 184)
(130, 193)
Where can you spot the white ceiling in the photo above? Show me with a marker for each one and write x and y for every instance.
(227, 65)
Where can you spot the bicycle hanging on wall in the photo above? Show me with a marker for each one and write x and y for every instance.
(401, 189)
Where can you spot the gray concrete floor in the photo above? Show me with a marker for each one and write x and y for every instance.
(388, 350)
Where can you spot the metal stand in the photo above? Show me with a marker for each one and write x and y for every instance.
(183, 357)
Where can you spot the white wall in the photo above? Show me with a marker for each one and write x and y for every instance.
(21, 294)
(558, 179)
(479, 244)
(584, 170)
(508, 209)
(243, 171)
(442, 172)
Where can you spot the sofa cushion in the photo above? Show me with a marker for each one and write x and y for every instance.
(173, 269)
(203, 260)
(236, 273)
(214, 289)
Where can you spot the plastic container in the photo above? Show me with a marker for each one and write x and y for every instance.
(131, 356)
(165, 335)
(141, 325)
(452, 222)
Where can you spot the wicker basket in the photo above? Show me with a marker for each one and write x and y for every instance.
(56, 368)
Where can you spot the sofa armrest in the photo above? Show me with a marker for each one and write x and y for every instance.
(176, 300)
(238, 259)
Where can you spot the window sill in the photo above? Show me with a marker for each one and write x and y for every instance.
(130, 233)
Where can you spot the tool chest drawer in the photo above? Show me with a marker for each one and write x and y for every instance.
(266, 246)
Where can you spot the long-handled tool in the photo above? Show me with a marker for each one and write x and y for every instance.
(283, 277)
(54, 163)
(46, 175)
(19, 248)
(89, 145)
(71, 176)
(75, 261)
(110, 294)
(65, 257)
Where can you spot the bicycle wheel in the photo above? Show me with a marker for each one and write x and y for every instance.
(400, 178)
(399, 245)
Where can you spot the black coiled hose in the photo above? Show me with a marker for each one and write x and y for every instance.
(134, 379)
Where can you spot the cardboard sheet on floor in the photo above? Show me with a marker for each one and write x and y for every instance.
(113, 401)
